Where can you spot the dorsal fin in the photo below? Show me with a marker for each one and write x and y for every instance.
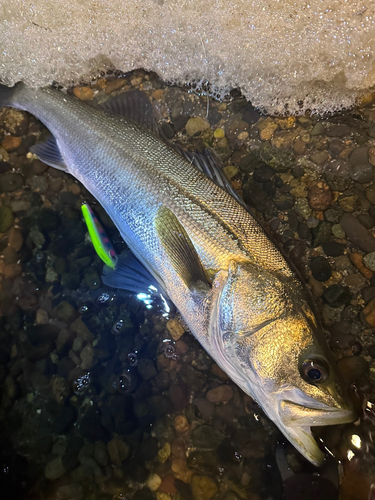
(135, 106)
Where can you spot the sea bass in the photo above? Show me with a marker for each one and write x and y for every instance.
(232, 286)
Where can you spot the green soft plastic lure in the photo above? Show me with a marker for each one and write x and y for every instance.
(99, 239)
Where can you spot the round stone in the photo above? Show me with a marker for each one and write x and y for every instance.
(369, 261)
(321, 269)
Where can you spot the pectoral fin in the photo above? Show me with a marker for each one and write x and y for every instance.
(49, 153)
(179, 248)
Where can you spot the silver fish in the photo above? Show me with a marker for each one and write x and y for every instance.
(230, 283)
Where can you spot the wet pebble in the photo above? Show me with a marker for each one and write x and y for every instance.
(87, 357)
(10, 182)
(220, 394)
(196, 125)
(54, 469)
(101, 454)
(64, 311)
(320, 268)
(357, 259)
(175, 328)
(181, 470)
(336, 295)
(203, 487)
(6, 218)
(369, 261)
(39, 183)
(348, 203)
(337, 130)
(118, 450)
(333, 249)
(207, 437)
(320, 196)
(357, 233)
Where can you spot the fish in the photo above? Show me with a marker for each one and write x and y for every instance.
(195, 238)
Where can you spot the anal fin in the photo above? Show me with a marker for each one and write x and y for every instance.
(49, 153)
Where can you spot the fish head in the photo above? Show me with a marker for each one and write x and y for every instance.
(266, 337)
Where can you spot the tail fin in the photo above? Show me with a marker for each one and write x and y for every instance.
(7, 94)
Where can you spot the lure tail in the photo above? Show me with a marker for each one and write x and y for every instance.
(99, 239)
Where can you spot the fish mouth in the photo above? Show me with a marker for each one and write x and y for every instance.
(297, 420)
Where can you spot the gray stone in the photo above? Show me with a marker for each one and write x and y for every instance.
(10, 182)
(207, 437)
(369, 261)
(361, 172)
(338, 130)
(318, 129)
(6, 218)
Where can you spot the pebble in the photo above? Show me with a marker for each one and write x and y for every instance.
(206, 436)
(64, 311)
(348, 203)
(267, 133)
(181, 424)
(318, 129)
(54, 469)
(336, 295)
(10, 143)
(181, 470)
(6, 218)
(87, 357)
(338, 231)
(84, 93)
(164, 453)
(15, 239)
(71, 491)
(38, 183)
(369, 261)
(175, 328)
(333, 249)
(10, 182)
(167, 485)
(357, 259)
(371, 156)
(41, 317)
(320, 196)
(320, 157)
(203, 487)
(337, 130)
(321, 269)
(118, 450)
(370, 194)
(196, 125)
(357, 233)
(220, 394)
(154, 481)
(101, 453)
(302, 208)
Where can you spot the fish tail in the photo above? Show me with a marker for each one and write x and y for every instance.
(7, 94)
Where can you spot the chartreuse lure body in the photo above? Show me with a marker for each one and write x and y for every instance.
(99, 239)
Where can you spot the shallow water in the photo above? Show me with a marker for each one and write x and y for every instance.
(104, 396)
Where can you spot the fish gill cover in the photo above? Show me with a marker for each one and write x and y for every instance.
(285, 56)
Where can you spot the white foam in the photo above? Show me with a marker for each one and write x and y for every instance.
(279, 52)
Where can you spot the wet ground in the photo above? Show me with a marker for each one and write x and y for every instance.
(105, 397)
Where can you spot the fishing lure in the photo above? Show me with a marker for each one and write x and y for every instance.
(99, 239)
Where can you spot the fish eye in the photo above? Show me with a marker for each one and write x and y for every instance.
(314, 371)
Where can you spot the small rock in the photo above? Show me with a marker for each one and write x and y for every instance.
(118, 450)
(175, 328)
(207, 436)
(357, 233)
(168, 485)
(318, 129)
(320, 157)
(333, 249)
(10, 143)
(92, 278)
(362, 172)
(283, 201)
(299, 147)
(41, 317)
(10, 182)
(302, 208)
(321, 269)
(54, 469)
(38, 183)
(267, 129)
(333, 214)
(15, 239)
(72, 491)
(195, 125)
(181, 470)
(87, 357)
(64, 311)
(357, 259)
(220, 394)
(84, 93)
(203, 487)
(338, 231)
(337, 130)
(371, 156)
(336, 296)
(101, 454)
(153, 481)
(6, 218)
(181, 424)
(164, 453)
(348, 203)
(320, 196)
(369, 261)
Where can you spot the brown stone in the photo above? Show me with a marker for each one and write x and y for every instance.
(175, 328)
(320, 157)
(115, 85)
(220, 394)
(11, 143)
(371, 156)
(299, 147)
(15, 239)
(181, 423)
(357, 259)
(84, 93)
(181, 470)
(203, 487)
(319, 196)
(167, 485)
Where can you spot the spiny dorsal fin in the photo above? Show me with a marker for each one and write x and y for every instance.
(135, 106)
(49, 153)
(179, 248)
